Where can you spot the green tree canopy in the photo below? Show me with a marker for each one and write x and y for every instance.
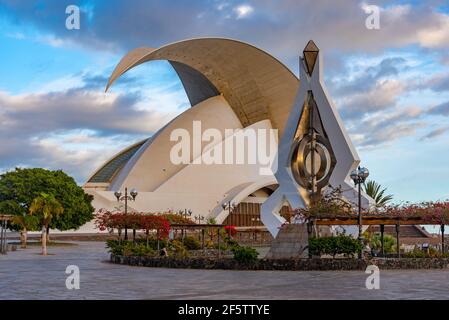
(19, 188)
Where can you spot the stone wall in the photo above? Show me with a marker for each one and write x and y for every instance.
(282, 264)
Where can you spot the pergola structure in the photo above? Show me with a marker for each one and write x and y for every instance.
(381, 221)
(201, 227)
(3, 222)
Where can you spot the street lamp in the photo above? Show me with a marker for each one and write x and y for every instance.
(131, 197)
(255, 222)
(229, 206)
(184, 213)
(359, 176)
(199, 218)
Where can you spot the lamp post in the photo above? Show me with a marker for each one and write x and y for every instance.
(229, 206)
(184, 213)
(199, 218)
(359, 176)
(131, 197)
(255, 222)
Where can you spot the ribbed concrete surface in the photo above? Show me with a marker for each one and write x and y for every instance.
(291, 242)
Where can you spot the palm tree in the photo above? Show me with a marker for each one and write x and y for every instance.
(47, 207)
(375, 191)
(25, 222)
(21, 219)
(389, 243)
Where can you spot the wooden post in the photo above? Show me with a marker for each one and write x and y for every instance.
(1, 236)
(442, 238)
(219, 250)
(3, 248)
(5, 242)
(397, 241)
(202, 231)
(382, 244)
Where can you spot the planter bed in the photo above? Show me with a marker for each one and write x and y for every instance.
(285, 264)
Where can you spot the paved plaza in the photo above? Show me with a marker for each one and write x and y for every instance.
(25, 274)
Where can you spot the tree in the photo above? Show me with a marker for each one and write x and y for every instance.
(389, 243)
(21, 221)
(375, 191)
(22, 186)
(45, 207)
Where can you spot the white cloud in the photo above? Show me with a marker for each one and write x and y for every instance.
(435, 36)
(76, 129)
(243, 10)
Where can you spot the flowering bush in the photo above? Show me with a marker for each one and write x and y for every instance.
(333, 205)
(428, 212)
(153, 222)
(137, 221)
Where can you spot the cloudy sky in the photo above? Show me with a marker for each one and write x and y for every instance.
(390, 85)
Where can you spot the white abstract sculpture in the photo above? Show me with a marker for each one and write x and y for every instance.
(313, 124)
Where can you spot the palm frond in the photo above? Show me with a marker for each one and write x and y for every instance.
(375, 191)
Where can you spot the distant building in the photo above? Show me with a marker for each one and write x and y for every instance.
(410, 236)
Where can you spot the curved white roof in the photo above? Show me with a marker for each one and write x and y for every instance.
(256, 85)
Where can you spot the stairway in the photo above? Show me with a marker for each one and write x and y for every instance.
(291, 242)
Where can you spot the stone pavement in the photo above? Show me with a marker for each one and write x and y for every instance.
(25, 274)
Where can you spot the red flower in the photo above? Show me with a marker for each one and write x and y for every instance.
(231, 230)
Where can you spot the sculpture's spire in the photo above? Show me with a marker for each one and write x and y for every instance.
(310, 55)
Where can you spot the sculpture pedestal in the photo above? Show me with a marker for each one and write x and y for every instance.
(291, 242)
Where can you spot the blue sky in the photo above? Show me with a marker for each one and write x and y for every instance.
(390, 85)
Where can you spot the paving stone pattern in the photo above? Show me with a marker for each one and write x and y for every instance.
(25, 274)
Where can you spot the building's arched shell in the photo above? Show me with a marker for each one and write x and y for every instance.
(256, 85)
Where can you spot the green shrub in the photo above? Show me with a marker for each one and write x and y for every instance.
(231, 243)
(418, 253)
(140, 249)
(178, 249)
(190, 243)
(245, 254)
(128, 248)
(114, 247)
(152, 242)
(222, 246)
(341, 244)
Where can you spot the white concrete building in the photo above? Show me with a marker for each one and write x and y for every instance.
(230, 85)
